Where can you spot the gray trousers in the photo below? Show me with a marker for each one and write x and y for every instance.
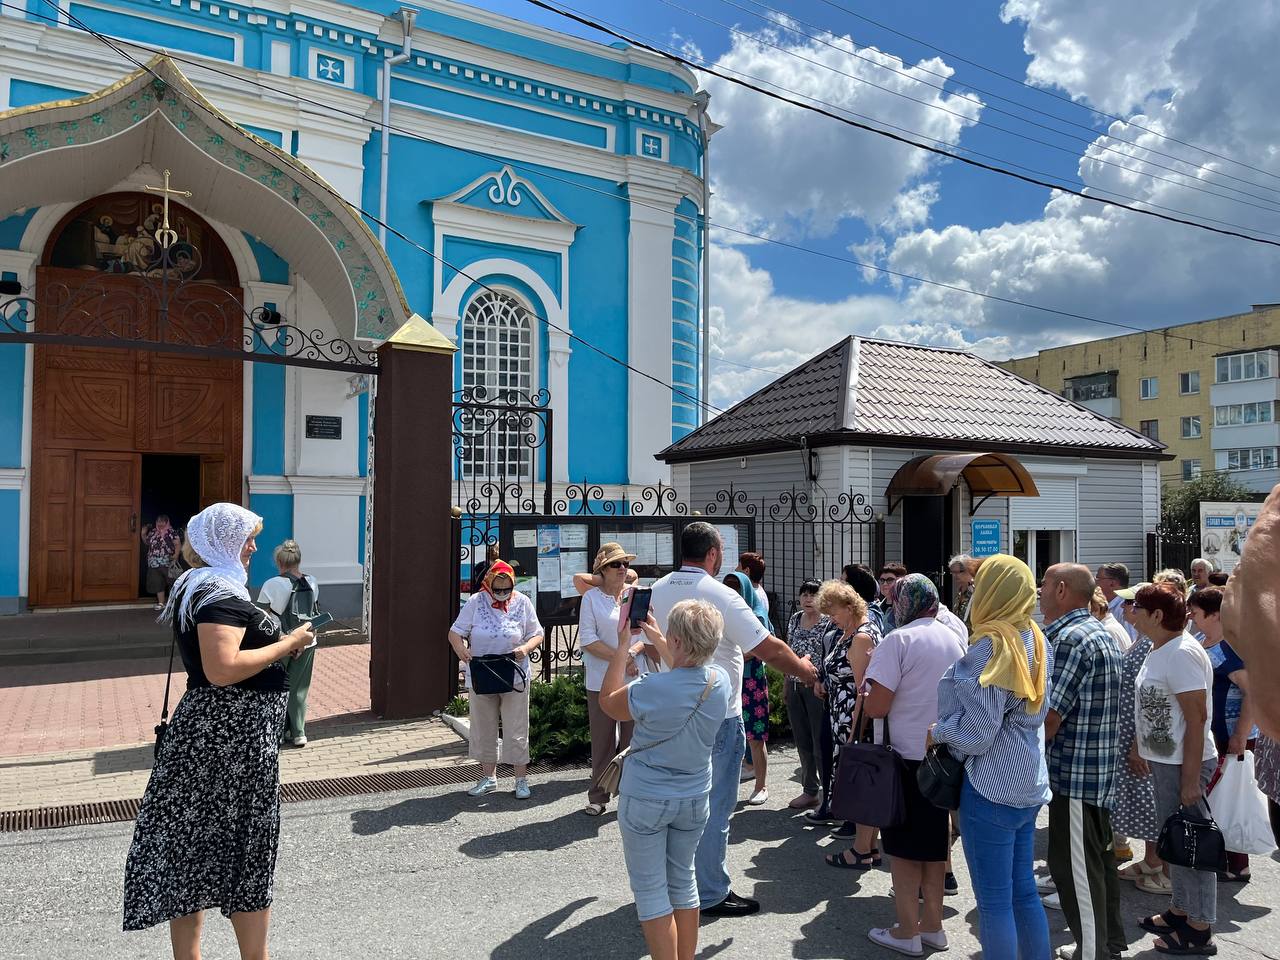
(608, 737)
(1195, 892)
(807, 714)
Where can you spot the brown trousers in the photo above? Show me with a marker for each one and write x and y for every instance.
(607, 738)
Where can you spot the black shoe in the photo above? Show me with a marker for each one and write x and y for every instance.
(846, 831)
(949, 886)
(820, 816)
(733, 906)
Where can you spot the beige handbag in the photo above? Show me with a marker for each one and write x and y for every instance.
(611, 776)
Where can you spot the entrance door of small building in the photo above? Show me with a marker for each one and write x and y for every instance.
(927, 536)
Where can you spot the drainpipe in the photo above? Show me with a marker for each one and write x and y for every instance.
(705, 391)
(407, 16)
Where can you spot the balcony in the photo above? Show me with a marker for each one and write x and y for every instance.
(1244, 391)
(1245, 435)
(1106, 406)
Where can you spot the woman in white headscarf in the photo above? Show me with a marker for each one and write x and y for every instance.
(207, 829)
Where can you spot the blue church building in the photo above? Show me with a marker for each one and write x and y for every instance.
(541, 197)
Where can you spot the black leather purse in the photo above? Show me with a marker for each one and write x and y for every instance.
(498, 673)
(867, 784)
(1188, 839)
(940, 777)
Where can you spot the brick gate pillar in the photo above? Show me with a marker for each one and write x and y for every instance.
(412, 605)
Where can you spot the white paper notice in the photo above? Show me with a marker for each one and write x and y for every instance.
(573, 537)
(571, 563)
(646, 549)
(627, 542)
(729, 536)
(665, 549)
(528, 586)
(549, 572)
(525, 538)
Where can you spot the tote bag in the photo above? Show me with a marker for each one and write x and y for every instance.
(867, 787)
(1241, 809)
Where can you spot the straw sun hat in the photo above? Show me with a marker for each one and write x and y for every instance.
(610, 553)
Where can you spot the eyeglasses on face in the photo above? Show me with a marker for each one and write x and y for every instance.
(619, 565)
(888, 578)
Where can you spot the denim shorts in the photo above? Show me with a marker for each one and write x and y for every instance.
(659, 840)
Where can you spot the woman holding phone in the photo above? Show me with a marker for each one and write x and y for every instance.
(292, 597)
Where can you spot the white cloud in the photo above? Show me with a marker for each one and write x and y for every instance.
(784, 171)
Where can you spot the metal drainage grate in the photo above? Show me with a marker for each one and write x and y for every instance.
(118, 811)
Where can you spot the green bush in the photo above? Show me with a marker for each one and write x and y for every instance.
(558, 729)
(779, 723)
(458, 707)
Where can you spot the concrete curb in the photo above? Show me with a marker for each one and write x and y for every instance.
(460, 725)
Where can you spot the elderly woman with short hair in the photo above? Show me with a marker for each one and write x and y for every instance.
(499, 621)
(278, 595)
(209, 823)
(961, 567)
(663, 801)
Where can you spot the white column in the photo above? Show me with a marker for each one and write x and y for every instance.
(336, 152)
(558, 385)
(652, 231)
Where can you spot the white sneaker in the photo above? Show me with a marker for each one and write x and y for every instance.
(746, 774)
(1046, 886)
(885, 938)
(522, 789)
(759, 798)
(934, 941)
(1052, 901)
(299, 741)
(483, 785)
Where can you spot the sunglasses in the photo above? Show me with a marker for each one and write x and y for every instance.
(619, 565)
(501, 592)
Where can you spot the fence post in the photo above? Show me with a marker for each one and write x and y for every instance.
(879, 544)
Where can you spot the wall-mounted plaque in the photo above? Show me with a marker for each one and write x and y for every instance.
(324, 428)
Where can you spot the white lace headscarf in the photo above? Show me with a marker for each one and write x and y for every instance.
(217, 534)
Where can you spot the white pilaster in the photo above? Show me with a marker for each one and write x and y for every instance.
(558, 375)
(336, 152)
(652, 231)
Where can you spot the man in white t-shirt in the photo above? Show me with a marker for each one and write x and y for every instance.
(702, 553)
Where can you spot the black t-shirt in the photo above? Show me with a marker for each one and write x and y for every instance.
(261, 628)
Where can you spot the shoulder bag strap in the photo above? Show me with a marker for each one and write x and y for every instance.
(164, 710)
(702, 698)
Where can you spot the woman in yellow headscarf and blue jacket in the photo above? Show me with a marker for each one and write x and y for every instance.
(991, 709)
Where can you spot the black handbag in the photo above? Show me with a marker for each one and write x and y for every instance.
(940, 777)
(163, 726)
(498, 673)
(867, 784)
(1188, 839)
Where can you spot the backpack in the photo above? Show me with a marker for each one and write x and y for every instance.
(302, 604)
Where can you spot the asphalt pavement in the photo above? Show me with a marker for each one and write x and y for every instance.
(434, 873)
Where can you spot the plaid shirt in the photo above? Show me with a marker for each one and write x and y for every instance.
(1085, 693)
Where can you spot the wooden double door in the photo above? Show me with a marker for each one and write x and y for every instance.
(97, 410)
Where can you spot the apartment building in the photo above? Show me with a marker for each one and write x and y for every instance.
(1207, 390)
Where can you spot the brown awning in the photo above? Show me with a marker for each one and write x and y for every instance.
(987, 474)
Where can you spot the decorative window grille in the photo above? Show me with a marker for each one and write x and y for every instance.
(497, 364)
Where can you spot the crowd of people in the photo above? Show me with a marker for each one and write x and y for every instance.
(1115, 714)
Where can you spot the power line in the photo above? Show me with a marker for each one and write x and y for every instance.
(1090, 142)
(1043, 90)
(992, 168)
(697, 221)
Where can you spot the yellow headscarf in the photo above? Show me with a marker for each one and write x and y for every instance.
(1004, 598)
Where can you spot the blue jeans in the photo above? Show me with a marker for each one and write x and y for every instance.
(659, 838)
(999, 845)
(726, 761)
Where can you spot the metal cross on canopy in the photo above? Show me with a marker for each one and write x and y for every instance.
(166, 236)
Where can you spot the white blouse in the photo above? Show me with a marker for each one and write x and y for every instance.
(597, 622)
(490, 630)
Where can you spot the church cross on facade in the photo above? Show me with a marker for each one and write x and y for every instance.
(166, 236)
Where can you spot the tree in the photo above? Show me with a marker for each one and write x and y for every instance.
(1180, 505)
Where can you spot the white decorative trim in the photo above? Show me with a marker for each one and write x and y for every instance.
(664, 140)
(308, 486)
(492, 226)
(449, 300)
(13, 478)
(348, 72)
(506, 188)
(1055, 468)
(237, 41)
(268, 485)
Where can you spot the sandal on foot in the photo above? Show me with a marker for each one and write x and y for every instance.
(1226, 876)
(1155, 883)
(593, 809)
(1162, 923)
(861, 861)
(1187, 941)
(1137, 870)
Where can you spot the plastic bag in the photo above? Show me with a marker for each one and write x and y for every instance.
(1241, 809)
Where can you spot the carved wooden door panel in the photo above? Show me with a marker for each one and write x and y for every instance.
(53, 528)
(108, 494)
(215, 482)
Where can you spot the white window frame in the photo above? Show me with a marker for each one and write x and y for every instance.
(1184, 380)
(1240, 367)
(1252, 458)
(505, 315)
(1192, 421)
(1149, 388)
(1190, 468)
(1263, 412)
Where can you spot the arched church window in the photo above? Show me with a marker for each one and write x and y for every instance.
(497, 361)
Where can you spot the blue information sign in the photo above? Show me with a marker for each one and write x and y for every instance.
(986, 538)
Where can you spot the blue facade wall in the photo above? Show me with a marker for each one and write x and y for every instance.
(10, 530)
(276, 511)
(24, 93)
(686, 283)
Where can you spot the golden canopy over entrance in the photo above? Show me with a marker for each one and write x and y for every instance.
(987, 474)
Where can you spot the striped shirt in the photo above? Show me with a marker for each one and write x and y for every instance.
(1085, 693)
(1002, 744)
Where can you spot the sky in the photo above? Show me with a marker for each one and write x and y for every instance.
(1164, 104)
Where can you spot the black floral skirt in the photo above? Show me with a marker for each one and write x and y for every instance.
(209, 822)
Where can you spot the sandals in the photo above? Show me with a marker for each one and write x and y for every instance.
(593, 809)
(1187, 941)
(1226, 876)
(1155, 883)
(1168, 923)
(1137, 870)
(861, 861)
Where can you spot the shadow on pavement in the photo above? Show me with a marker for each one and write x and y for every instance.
(615, 936)
(421, 811)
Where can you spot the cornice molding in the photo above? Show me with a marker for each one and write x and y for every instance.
(13, 478)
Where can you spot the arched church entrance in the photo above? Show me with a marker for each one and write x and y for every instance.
(120, 434)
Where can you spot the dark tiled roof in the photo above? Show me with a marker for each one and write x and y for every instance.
(901, 393)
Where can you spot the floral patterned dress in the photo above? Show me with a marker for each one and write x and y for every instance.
(837, 677)
(755, 699)
(1133, 812)
(1267, 761)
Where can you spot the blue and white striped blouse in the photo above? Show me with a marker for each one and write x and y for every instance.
(1002, 744)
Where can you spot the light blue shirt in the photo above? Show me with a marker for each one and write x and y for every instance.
(1002, 744)
(679, 769)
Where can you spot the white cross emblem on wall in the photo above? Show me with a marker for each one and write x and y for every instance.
(329, 68)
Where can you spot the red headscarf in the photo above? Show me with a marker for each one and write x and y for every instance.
(499, 568)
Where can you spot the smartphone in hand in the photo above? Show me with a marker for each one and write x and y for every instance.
(641, 597)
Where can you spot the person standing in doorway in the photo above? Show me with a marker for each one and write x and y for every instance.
(292, 597)
(702, 553)
(1083, 733)
(162, 550)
